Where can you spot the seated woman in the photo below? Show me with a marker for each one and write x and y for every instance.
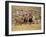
(25, 18)
(30, 19)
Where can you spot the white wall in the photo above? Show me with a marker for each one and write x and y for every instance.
(2, 19)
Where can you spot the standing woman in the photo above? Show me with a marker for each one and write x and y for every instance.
(30, 16)
(25, 16)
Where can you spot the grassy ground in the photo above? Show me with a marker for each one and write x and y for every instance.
(26, 27)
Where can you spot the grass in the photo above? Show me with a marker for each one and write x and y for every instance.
(26, 27)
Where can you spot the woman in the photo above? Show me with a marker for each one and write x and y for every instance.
(25, 18)
(30, 18)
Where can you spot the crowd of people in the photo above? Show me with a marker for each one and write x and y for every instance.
(26, 16)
